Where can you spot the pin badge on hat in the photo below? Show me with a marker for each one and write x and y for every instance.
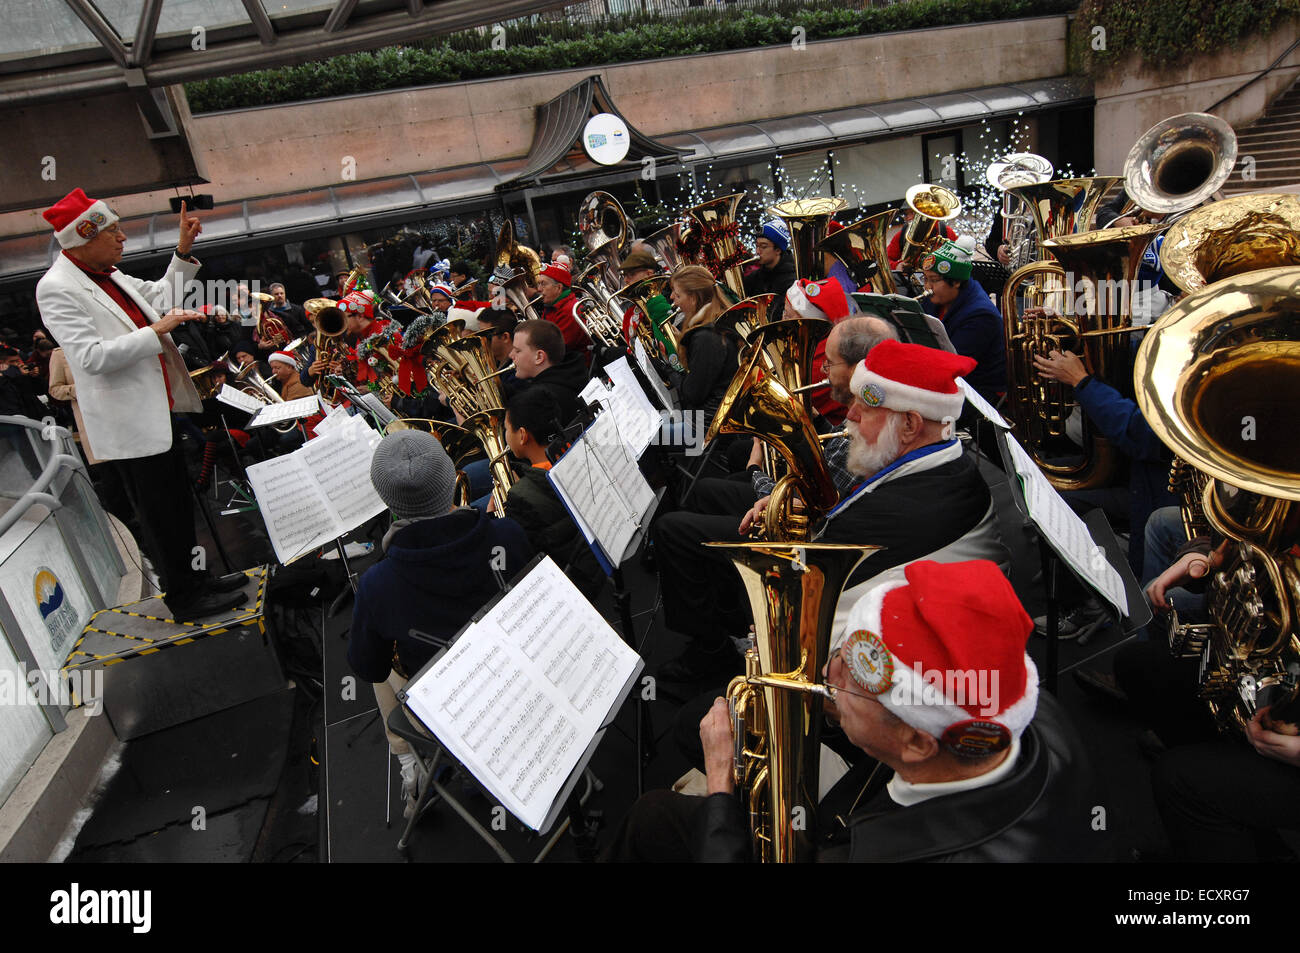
(872, 395)
(976, 737)
(869, 661)
(812, 289)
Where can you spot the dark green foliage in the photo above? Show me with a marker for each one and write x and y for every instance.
(560, 44)
(1169, 33)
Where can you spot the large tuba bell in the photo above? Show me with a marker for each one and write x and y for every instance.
(1179, 163)
(1218, 379)
(807, 221)
(595, 213)
(776, 707)
(1232, 237)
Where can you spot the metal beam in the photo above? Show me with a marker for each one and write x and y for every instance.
(142, 48)
(338, 17)
(261, 22)
(249, 53)
(102, 29)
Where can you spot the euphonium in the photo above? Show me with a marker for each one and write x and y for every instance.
(593, 215)
(255, 385)
(1218, 379)
(271, 331)
(931, 206)
(757, 403)
(776, 707)
(1021, 168)
(807, 221)
(1104, 264)
(863, 248)
(666, 246)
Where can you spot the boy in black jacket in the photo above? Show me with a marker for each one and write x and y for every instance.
(531, 422)
(440, 568)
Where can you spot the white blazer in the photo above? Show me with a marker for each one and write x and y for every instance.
(114, 364)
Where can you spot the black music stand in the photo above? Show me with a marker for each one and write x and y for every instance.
(1052, 561)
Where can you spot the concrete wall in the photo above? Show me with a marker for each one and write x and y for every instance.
(279, 149)
(1132, 99)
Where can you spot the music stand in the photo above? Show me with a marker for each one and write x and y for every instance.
(1051, 560)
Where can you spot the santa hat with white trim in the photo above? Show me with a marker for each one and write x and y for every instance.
(819, 299)
(77, 218)
(284, 357)
(943, 649)
(558, 272)
(361, 301)
(468, 315)
(906, 377)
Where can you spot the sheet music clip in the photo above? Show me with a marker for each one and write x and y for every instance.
(567, 436)
(502, 583)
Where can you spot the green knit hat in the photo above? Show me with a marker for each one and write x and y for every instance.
(952, 260)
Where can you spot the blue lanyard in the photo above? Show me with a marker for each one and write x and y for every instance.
(905, 458)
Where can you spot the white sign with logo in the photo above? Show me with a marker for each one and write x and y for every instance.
(606, 139)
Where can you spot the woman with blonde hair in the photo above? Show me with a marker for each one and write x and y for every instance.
(710, 355)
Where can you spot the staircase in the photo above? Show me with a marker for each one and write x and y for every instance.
(1274, 142)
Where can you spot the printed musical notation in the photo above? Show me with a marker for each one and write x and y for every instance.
(1063, 529)
(524, 691)
(319, 492)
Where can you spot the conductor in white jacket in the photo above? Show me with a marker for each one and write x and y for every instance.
(130, 379)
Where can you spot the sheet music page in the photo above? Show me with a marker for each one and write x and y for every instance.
(647, 368)
(341, 465)
(638, 420)
(237, 398)
(372, 403)
(621, 465)
(333, 420)
(983, 406)
(298, 517)
(289, 410)
(594, 392)
(519, 697)
(600, 512)
(1066, 532)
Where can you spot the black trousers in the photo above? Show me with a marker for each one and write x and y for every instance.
(1219, 798)
(703, 597)
(158, 488)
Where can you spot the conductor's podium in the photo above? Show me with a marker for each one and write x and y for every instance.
(159, 672)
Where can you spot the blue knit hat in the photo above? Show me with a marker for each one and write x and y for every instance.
(774, 231)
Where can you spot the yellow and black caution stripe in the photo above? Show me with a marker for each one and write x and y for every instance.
(108, 625)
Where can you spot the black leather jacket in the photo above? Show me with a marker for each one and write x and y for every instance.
(1042, 811)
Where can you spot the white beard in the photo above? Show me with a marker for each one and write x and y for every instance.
(867, 459)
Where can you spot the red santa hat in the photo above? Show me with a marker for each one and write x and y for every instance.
(284, 357)
(558, 272)
(912, 377)
(943, 649)
(360, 302)
(818, 299)
(77, 218)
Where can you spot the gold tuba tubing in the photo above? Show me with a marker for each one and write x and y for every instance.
(776, 706)
(807, 221)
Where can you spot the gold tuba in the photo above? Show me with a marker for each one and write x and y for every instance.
(1105, 264)
(807, 221)
(759, 404)
(714, 229)
(776, 706)
(1232, 237)
(1218, 378)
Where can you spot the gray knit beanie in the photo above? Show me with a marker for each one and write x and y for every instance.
(413, 475)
